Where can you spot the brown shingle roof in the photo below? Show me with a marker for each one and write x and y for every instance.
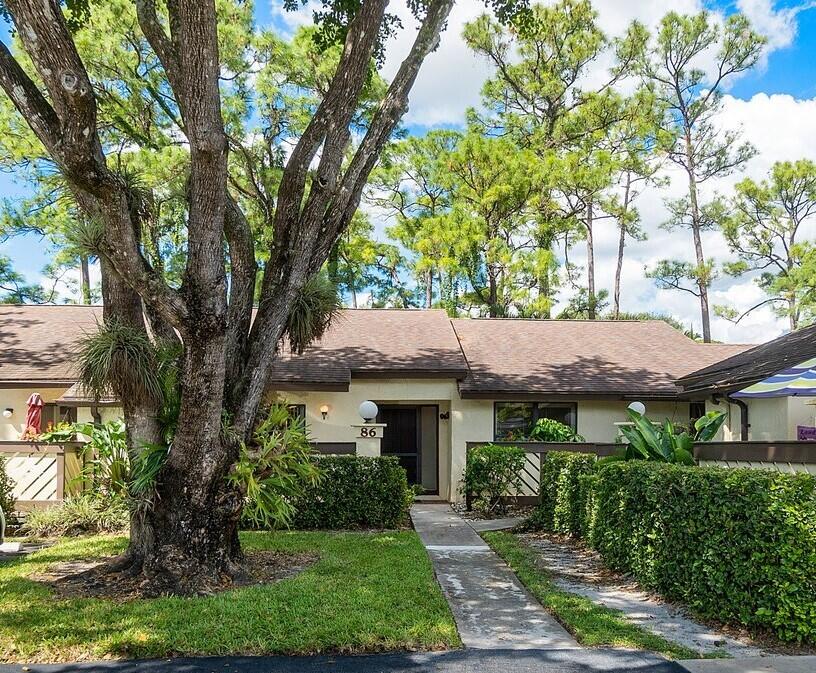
(38, 343)
(506, 357)
(579, 358)
(373, 343)
(749, 366)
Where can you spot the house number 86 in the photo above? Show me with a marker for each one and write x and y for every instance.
(368, 432)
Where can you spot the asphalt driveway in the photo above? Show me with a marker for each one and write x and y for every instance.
(460, 661)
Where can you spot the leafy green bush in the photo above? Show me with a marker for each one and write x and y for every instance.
(562, 506)
(85, 514)
(549, 430)
(6, 487)
(492, 472)
(737, 545)
(354, 492)
(667, 443)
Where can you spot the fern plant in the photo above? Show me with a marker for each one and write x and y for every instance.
(274, 469)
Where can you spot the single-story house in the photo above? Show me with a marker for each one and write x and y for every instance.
(439, 383)
(767, 419)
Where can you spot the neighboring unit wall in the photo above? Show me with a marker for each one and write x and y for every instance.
(770, 419)
(15, 398)
(597, 418)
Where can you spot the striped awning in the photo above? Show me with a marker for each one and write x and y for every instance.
(798, 381)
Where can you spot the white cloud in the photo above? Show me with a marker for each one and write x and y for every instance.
(778, 25)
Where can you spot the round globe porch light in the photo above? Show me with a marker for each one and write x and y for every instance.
(638, 407)
(368, 411)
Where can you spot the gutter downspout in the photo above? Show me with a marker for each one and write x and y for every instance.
(744, 424)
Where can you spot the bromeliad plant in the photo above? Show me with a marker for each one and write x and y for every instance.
(667, 443)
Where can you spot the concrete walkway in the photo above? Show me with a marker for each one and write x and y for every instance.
(491, 607)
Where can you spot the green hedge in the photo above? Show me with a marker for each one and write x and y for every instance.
(563, 494)
(492, 473)
(737, 545)
(355, 492)
(6, 486)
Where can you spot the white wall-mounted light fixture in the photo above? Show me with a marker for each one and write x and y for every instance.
(7, 412)
(638, 407)
(324, 411)
(368, 411)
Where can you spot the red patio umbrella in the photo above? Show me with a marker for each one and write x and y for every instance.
(33, 421)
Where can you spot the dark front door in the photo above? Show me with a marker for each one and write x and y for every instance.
(401, 438)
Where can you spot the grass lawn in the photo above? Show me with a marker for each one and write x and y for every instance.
(590, 623)
(368, 592)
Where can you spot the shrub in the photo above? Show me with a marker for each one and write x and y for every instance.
(492, 472)
(354, 492)
(736, 545)
(564, 495)
(85, 514)
(668, 443)
(549, 430)
(6, 488)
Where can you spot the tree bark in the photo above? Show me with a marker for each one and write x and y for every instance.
(591, 312)
(696, 227)
(85, 279)
(621, 245)
(120, 302)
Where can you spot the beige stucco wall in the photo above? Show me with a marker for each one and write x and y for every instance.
(342, 415)
(470, 420)
(770, 419)
(597, 418)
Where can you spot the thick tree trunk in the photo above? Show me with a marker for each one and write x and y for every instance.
(122, 303)
(193, 546)
(428, 288)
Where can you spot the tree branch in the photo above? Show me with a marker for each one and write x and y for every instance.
(382, 125)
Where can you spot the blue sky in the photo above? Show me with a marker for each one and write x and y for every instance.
(771, 103)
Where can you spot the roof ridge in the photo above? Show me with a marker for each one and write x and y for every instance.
(561, 320)
(51, 306)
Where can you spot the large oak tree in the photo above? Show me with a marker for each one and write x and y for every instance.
(187, 541)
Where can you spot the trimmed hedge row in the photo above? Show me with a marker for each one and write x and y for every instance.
(355, 492)
(737, 545)
(563, 493)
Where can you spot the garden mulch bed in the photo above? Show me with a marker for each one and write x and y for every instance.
(85, 578)
(571, 563)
